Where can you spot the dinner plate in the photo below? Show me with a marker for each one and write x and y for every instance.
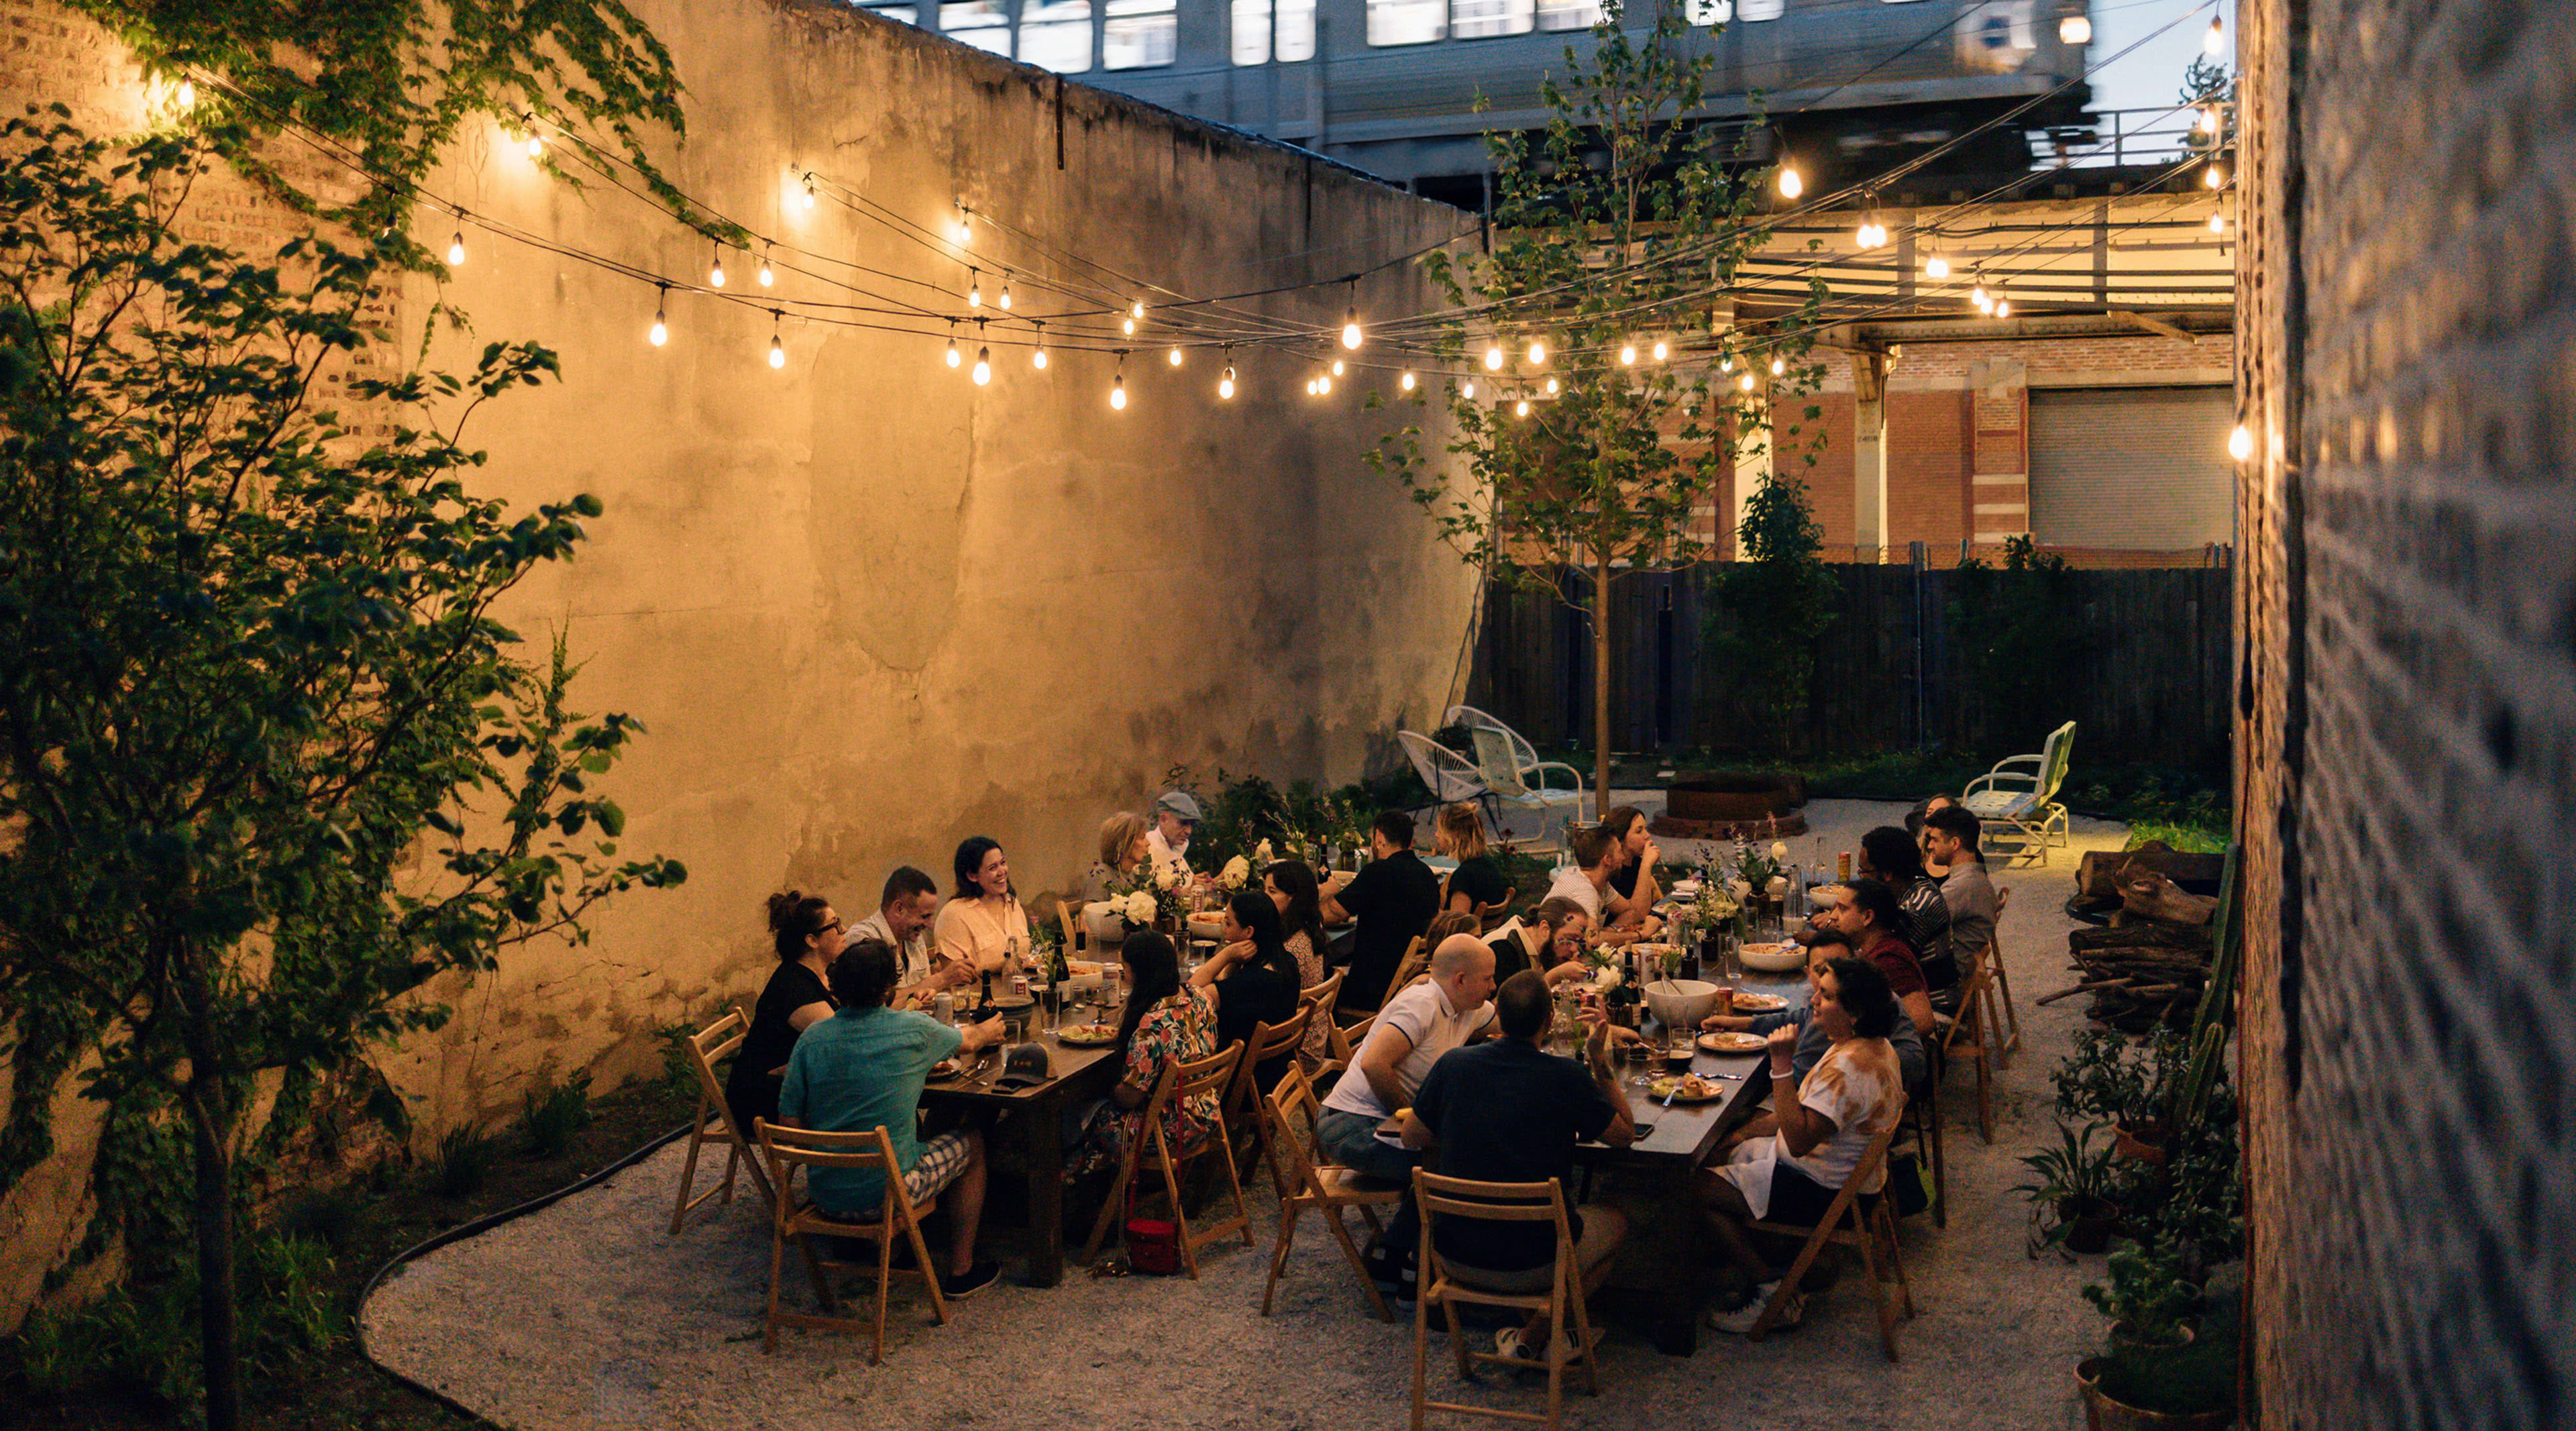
(1660, 1089)
(1733, 1043)
(946, 1068)
(1750, 1003)
(1087, 1035)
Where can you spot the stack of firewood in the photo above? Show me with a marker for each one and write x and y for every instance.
(2148, 964)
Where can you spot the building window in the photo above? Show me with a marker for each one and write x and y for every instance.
(1296, 30)
(1139, 34)
(1056, 35)
(1406, 22)
(1477, 19)
(1252, 32)
(1568, 14)
(900, 14)
(981, 23)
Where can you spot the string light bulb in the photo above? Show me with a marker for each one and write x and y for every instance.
(1127, 326)
(809, 188)
(1661, 350)
(2216, 39)
(1494, 357)
(1521, 408)
(2208, 121)
(1468, 390)
(187, 94)
(2218, 223)
(954, 359)
(2216, 178)
(1118, 385)
(1726, 364)
(767, 278)
(2003, 306)
(1406, 382)
(1936, 267)
(1038, 355)
(1338, 369)
(1225, 381)
(777, 349)
(1136, 310)
(1174, 356)
(1745, 382)
(660, 332)
(1351, 335)
(983, 366)
(1627, 355)
(974, 289)
(1005, 299)
(715, 269)
(1310, 387)
(2240, 443)
(1779, 366)
(1323, 385)
(965, 226)
(1551, 387)
(456, 250)
(1791, 186)
(1537, 352)
(2075, 30)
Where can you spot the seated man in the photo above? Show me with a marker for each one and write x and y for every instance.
(1823, 947)
(1596, 857)
(902, 922)
(1176, 817)
(1548, 940)
(1393, 900)
(1508, 1111)
(1950, 840)
(1445, 1011)
(863, 1068)
(1868, 917)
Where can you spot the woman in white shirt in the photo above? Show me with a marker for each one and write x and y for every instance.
(982, 925)
(1827, 1121)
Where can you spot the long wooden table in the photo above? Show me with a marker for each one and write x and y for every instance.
(1033, 1119)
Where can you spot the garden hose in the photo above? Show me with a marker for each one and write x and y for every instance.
(483, 1224)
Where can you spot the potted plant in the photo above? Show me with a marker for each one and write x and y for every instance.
(2110, 1080)
(2157, 1374)
(2147, 1300)
(2072, 1183)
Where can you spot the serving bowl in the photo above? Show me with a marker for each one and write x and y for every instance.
(1786, 957)
(1681, 1003)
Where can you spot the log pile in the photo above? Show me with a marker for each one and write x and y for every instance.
(2100, 874)
(2149, 964)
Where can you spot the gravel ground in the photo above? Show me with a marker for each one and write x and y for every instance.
(587, 1314)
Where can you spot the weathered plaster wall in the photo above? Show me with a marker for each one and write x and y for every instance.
(864, 607)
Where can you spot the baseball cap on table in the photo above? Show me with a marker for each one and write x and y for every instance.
(1027, 1067)
(1180, 803)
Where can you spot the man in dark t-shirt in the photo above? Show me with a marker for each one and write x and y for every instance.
(1508, 1111)
(1393, 901)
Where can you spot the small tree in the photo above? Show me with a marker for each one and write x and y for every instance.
(252, 695)
(1616, 237)
(1777, 598)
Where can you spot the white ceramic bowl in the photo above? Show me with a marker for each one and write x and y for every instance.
(1681, 1003)
(1783, 958)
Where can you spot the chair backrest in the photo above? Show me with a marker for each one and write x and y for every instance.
(2053, 758)
(1294, 1110)
(1347, 1041)
(1269, 1041)
(1322, 995)
(1495, 762)
(1068, 913)
(1209, 1074)
(1439, 1197)
(1416, 959)
(1524, 754)
(1445, 771)
(787, 1149)
(707, 1046)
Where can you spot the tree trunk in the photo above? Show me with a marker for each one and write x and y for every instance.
(215, 1263)
(1601, 689)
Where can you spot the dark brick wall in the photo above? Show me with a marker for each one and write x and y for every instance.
(2407, 709)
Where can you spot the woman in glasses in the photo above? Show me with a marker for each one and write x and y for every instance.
(807, 936)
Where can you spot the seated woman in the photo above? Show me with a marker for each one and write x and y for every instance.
(982, 925)
(1122, 852)
(1477, 886)
(1889, 854)
(1631, 896)
(807, 935)
(1253, 976)
(1293, 892)
(1167, 1024)
(1826, 1122)
(1823, 947)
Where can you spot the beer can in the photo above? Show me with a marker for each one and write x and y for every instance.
(1019, 986)
(944, 1008)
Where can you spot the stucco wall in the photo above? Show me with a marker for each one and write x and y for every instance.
(864, 607)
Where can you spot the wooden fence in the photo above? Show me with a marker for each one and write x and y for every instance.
(2150, 685)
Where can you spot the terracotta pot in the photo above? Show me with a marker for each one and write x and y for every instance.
(2101, 1413)
(2146, 1145)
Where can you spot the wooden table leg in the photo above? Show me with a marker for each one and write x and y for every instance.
(1043, 1147)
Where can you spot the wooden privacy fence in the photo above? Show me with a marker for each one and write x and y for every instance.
(2149, 684)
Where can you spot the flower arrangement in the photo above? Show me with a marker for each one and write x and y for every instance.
(1236, 874)
(1149, 891)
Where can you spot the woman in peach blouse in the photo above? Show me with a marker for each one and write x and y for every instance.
(982, 925)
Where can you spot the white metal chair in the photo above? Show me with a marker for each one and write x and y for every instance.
(1516, 754)
(2026, 800)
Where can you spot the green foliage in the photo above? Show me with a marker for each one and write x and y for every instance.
(1618, 228)
(1772, 603)
(394, 83)
(552, 1112)
(2078, 1170)
(141, 1338)
(269, 762)
(2022, 643)
(2145, 1293)
(2107, 1078)
(465, 1156)
(1243, 811)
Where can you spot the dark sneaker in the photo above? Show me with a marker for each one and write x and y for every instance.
(1393, 1273)
(957, 1286)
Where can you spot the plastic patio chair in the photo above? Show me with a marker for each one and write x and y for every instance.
(2026, 800)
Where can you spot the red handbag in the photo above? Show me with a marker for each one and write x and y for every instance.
(1153, 1245)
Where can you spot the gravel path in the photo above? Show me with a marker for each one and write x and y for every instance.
(588, 1315)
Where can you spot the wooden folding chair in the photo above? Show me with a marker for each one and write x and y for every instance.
(1872, 1229)
(1346, 1043)
(1968, 1035)
(1304, 1180)
(1151, 1149)
(1437, 1197)
(2000, 995)
(787, 1149)
(1247, 1117)
(714, 1124)
(1068, 914)
(1923, 1121)
(1417, 957)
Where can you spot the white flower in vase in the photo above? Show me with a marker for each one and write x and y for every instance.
(1139, 910)
(1236, 872)
(1167, 877)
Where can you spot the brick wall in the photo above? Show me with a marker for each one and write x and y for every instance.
(2406, 712)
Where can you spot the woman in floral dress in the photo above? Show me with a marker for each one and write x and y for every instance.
(1167, 1024)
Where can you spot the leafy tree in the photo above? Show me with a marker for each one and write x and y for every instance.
(1618, 232)
(2021, 640)
(1772, 603)
(268, 764)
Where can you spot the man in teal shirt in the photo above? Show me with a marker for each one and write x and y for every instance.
(863, 1068)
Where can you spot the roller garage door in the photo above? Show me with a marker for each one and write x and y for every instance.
(2134, 468)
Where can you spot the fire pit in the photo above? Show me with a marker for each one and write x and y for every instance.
(1723, 805)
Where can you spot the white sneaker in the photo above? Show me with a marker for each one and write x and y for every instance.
(1508, 1342)
(1739, 1320)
